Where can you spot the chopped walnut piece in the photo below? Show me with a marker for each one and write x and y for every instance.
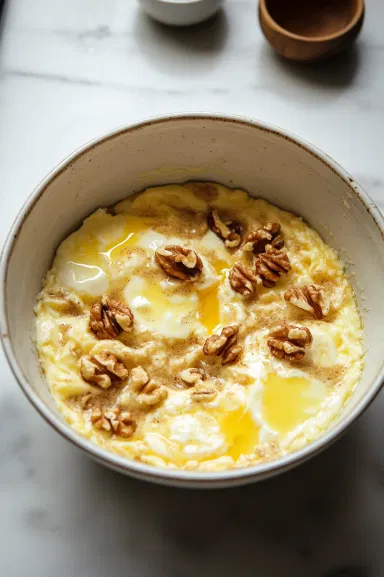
(228, 230)
(85, 399)
(311, 298)
(127, 425)
(231, 354)
(179, 262)
(64, 328)
(114, 421)
(289, 342)
(203, 393)
(257, 240)
(224, 346)
(138, 379)
(100, 422)
(271, 265)
(147, 392)
(76, 350)
(192, 376)
(109, 317)
(102, 369)
(241, 279)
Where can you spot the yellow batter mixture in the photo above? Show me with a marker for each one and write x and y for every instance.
(193, 326)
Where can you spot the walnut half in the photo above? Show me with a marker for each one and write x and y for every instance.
(257, 240)
(241, 279)
(311, 298)
(114, 421)
(148, 393)
(228, 230)
(179, 262)
(271, 265)
(103, 369)
(192, 376)
(289, 342)
(202, 391)
(224, 345)
(109, 317)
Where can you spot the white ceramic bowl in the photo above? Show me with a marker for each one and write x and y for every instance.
(181, 12)
(264, 160)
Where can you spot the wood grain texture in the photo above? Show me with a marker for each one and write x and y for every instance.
(305, 34)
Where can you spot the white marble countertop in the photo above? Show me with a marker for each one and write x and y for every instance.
(69, 71)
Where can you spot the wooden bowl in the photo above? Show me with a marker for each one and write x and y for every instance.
(305, 30)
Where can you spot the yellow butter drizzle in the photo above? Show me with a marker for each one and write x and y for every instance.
(240, 431)
(289, 402)
(209, 307)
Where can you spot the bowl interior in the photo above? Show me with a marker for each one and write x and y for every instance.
(314, 20)
(236, 153)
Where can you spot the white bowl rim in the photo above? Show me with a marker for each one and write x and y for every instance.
(142, 470)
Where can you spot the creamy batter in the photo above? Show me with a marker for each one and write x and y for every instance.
(256, 407)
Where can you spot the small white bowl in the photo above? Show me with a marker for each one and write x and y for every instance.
(260, 158)
(181, 12)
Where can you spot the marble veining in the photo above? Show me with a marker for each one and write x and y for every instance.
(68, 72)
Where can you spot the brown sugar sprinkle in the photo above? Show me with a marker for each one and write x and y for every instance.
(69, 304)
(330, 375)
(184, 223)
(179, 348)
(205, 190)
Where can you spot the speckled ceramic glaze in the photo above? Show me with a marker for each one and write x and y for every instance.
(264, 160)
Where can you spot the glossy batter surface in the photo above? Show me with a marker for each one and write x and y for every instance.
(259, 406)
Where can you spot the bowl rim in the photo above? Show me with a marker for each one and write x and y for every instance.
(272, 23)
(179, 477)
